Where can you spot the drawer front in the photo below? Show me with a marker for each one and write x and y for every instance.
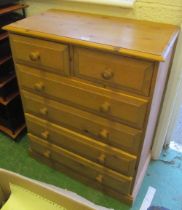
(82, 145)
(88, 168)
(113, 70)
(121, 107)
(47, 55)
(103, 130)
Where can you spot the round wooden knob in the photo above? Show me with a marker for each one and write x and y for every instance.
(105, 107)
(104, 134)
(99, 178)
(44, 111)
(47, 154)
(102, 158)
(107, 74)
(45, 134)
(39, 86)
(34, 56)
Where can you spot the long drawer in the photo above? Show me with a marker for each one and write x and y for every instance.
(104, 130)
(82, 145)
(113, 70)
(112, 105)
(88, 168)
(39, 53)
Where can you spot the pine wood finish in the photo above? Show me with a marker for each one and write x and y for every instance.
(122, 107)
(90, 169)
(47, 55)
(85, 146)
(106, 131)
(113, 70)
(92, 87)
(101, 32)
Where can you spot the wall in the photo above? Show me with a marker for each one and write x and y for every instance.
(167, 11)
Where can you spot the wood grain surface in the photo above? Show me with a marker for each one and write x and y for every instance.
(130, 37)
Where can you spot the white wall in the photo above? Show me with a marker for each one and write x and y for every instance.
(167, 11)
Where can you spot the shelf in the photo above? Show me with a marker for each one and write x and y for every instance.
(5, 59)
(9, 98)
(3, 36)
(12, 8)
(5, 80)
(10, 133)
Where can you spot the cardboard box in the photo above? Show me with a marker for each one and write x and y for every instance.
(69, 201)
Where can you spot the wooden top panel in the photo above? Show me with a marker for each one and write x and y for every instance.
(131, 37)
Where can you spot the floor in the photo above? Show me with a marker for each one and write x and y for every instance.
(165, 175)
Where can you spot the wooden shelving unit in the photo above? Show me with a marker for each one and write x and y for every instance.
(11, 113)
(3, 36)
(5, 59)
(5, 80)
(12, 8)
(14, 134)
(9, 98)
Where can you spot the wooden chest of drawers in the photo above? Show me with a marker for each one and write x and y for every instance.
(92, 87)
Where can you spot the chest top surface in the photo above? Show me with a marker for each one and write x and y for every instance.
(131, 37)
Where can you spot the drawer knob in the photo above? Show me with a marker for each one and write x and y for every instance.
(104, 134)
(102, 158)
(47, 154)
(107, 74)
(99, 178)
(45, 134)
(44, 111)
(39, 86)
(105, 107)
(34, 56)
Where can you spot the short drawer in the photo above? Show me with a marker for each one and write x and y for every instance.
(39, 53)
(81, 165)
(103, 130)
(82, 145)
(112, 105)
(113, 70)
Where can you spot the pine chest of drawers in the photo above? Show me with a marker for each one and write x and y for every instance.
(92, 87)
